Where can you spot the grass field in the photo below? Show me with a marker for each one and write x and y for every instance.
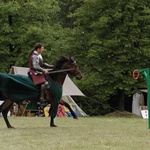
(86, 133)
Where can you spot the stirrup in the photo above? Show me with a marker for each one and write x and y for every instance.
(42, 100)
(42, 105)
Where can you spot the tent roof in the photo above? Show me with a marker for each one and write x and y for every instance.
(69, 88)
(143, 90)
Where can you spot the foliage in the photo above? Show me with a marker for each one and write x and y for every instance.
(108, 38)
(24, 23)
(117, 36)
(67, 7)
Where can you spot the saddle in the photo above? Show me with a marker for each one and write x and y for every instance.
(38, 78)
(41, 79)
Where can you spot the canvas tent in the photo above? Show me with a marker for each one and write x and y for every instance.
(143, 90)
(69, 88)
(139, 103)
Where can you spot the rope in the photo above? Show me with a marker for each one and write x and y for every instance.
(100, 103)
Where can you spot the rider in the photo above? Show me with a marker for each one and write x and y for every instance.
(37, 71)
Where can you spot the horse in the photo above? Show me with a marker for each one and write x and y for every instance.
(17, 88)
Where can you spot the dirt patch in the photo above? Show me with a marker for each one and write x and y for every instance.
(122, 114)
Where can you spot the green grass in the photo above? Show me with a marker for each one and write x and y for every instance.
(87, 133)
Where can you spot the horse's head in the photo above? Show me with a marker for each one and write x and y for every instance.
(70, 65)
(76, 71)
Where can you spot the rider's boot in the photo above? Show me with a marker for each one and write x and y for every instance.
(43, 92)
(48, 95)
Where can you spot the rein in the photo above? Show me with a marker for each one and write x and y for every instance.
(58, 71)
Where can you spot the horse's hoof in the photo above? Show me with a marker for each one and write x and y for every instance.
(11, 127)
(53, 125)
(75, 117)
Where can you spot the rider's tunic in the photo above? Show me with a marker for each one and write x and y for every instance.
(36, 65)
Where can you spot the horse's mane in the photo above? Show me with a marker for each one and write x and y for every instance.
(58, 64)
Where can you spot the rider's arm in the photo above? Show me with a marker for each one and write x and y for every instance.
(48, 66)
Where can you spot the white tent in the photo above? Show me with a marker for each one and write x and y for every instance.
(69, 88)
(138, 101)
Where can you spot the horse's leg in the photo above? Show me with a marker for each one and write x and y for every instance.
(52, 118)
(52, 122)
(4, 109)
(5, 112)
(54, 105)
(62, 102)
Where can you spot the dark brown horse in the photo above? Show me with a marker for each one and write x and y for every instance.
(17, 88)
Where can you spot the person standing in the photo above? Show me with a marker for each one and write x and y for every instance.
(37, 69)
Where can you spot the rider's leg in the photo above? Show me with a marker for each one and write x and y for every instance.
(45, 86)
(42, 92)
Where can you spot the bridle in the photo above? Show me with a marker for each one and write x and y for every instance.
(76, 72)
(63, 70)
(72, 70)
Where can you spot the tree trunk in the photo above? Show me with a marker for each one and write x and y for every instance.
(121, 100)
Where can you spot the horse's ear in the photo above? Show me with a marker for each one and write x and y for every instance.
(71, 58)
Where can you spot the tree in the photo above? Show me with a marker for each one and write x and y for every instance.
(66, 8)
(24, 23)
(117, 36)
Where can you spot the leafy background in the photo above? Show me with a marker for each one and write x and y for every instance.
(109, 39)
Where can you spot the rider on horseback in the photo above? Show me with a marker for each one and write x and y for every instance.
(37, 71)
